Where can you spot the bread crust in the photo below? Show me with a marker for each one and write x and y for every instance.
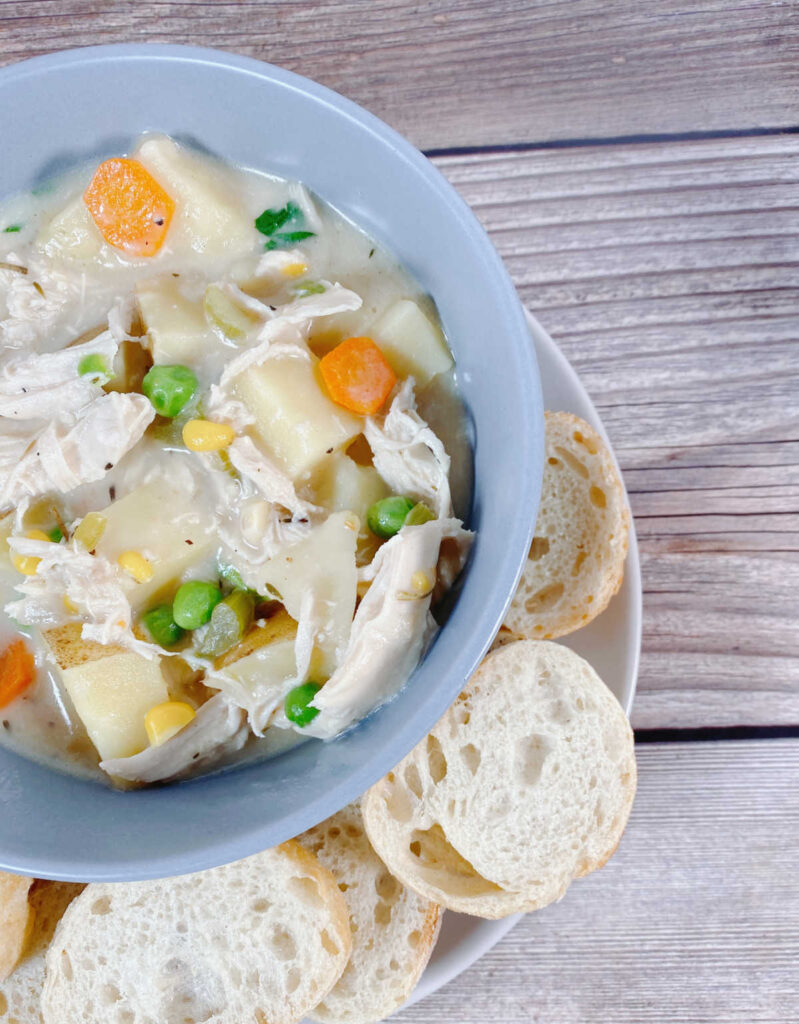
(576, 561)
(525, 784)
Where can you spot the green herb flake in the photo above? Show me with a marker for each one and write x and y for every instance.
(12, 229)
(56, 535)
(271, 221)
(309, 288)
(289, 216)
(285, 238)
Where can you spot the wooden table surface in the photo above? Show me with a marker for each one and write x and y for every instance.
(636, 163)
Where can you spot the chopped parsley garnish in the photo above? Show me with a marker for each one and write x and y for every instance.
(12, 229)
(289, 216)
(56, 534)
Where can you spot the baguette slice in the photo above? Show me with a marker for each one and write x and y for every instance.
(526, 783)
(21, 994)
(261, 940)
(576, 560)
(393, 929)
(16, 919)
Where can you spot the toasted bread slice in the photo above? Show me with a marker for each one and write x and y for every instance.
(394, 930)
(21, 994)
(576, 560)
(16, 919)
(525, 784)
(263, 939)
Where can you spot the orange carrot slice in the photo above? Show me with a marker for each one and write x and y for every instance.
(357, 375)
(17, 671)
(129, 207)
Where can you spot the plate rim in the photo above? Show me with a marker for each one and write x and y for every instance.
(484, 934)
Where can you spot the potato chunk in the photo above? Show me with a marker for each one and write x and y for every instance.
(177, 330)
(168, 529)
(112, 695)
(294, 418)
(412, 344)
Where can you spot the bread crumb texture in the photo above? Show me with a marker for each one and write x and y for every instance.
(525, 784)
(260, 940)
(394, 930)
(21, 993)
(576, 558)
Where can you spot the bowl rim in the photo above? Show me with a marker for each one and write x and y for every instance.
(219, 849)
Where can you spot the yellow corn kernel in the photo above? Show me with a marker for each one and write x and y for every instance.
(295, 269)
(166, 720)
(28, 564)
(89, 530)
(207, 436)
(70, 605)
(136, 565)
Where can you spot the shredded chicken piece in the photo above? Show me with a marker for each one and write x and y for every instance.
(284, 335)
(90, 583)
(48, 385)
(302, 198)
(269, 478)
(408, 454)
(219, 728)
(222, 408)
(391, 629)
(62, 457)
(32, 310)
(256, 535)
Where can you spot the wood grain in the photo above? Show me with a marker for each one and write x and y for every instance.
(693, 921)
(481, 72)
(669, 276)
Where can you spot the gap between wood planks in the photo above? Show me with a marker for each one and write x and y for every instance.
(615, 140)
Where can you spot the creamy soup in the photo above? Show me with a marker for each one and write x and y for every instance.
(233, 468)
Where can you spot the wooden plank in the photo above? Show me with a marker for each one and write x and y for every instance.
(668, 274)
(480, 72)
(694, 921)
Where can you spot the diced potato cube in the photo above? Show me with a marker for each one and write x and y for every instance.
(209, 216)
(72, 234)
(270, 666)
(112, 695)
(294, 417)
(176, 327)
(164, 527)
(343, 484)
(413, 345)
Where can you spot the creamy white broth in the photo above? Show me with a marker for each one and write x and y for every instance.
(44, 723)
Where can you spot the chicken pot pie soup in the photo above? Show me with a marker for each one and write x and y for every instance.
(233, 468)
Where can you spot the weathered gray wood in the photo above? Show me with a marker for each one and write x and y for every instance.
(669, 275)
(469, 72)
(693, 921)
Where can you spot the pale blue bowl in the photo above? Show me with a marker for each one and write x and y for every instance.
(63, 109)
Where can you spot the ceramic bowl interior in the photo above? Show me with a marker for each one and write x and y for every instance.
(63, 109)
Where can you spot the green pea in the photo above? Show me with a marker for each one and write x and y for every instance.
(230, 620)
(162, 627)
(169, 388)
(194, 603)
(387, 516)
(297, 704)
(419, 514)
(93, 365)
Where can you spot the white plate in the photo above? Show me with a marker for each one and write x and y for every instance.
(611, 643)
